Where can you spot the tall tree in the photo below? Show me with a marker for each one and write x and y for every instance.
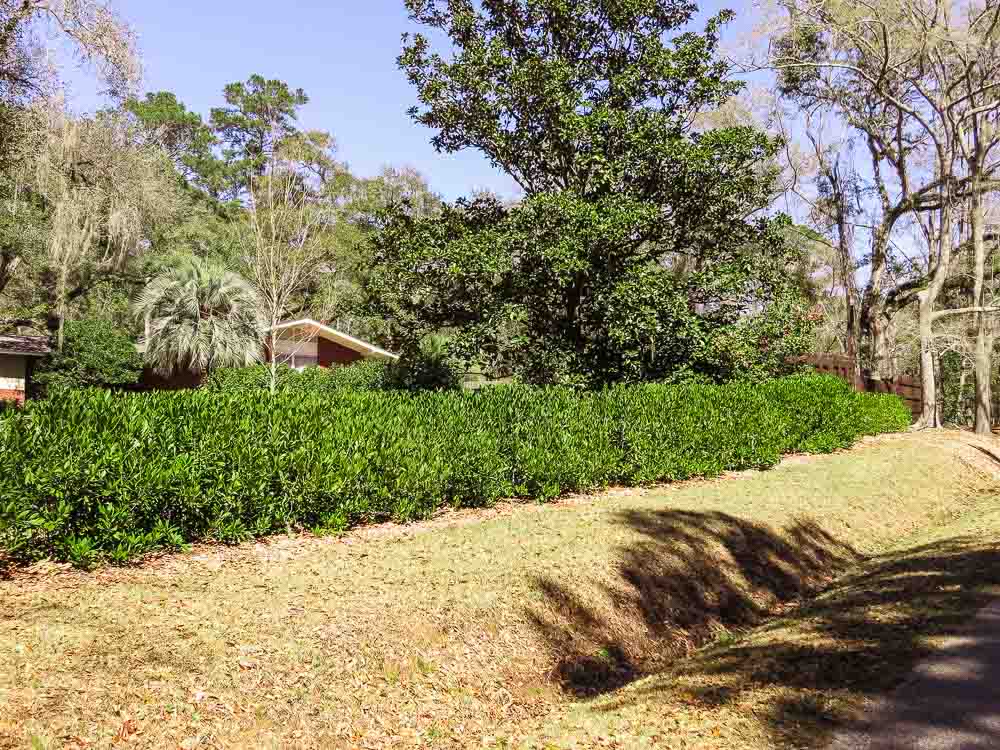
(284, 249)
(261, 113)
(189, 142)
(608, 269)
(918, 78)
(104, 191)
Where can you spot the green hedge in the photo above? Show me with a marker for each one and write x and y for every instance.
(96, 475)
(369, 375)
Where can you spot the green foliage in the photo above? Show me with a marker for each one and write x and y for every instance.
(22, 238)
(186, 138)
(556, 291)
(367, 375)
(254, 377)
(259, 115)
(107, 476)
(200, 317)
(95, 353)
(427, 367)
(630, 257)
(575, 96)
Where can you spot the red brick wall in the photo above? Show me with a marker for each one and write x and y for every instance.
(332, 353)
(16, 396)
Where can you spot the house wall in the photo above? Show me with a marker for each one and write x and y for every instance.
(13, 378)
(297, 352)
(331, 353)
(314, 351)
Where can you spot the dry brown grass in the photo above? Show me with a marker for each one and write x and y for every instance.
(571, 625)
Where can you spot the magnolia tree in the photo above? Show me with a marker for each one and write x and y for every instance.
(606, 270)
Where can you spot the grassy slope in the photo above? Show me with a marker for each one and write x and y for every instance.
(556, 626)
(790, 682)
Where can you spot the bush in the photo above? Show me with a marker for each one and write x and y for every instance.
(367, 375)
(255, 377)
(104, 475)
(94, 353)
(427, 367)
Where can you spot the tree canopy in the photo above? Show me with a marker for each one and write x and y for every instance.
(641, 248)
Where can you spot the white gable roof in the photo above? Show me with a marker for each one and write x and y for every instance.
(331, 334)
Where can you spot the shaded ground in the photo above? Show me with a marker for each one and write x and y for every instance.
(794, 680)
(481, 634)
(951, 701)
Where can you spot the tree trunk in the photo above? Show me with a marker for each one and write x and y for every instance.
(930, 416)
(274, 358)
(870, 319)
(846, 259)
(960, 396)
(60, 309)
(882, 337)
(8, 266)
(984, 370)
(60, 333)
(926, 300)
(983, 324)
(851, 344)
(939, 381)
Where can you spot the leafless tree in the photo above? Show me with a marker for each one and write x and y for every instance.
(916, 77)
(97, 36)
(283, 244)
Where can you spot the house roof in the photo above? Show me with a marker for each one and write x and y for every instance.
(332, 334)
(24, 346)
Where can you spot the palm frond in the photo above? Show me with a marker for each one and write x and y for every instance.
(200, 317)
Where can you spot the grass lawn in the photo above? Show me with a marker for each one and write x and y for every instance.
(670, 617)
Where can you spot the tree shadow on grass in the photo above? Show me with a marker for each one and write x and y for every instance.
(691, 577)
(699, 578)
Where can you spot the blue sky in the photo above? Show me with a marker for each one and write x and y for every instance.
(342, 52)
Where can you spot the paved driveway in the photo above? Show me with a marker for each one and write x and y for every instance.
(950, 702)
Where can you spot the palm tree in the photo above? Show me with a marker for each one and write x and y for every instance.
(200, 316)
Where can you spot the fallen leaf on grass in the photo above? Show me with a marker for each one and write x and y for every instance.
(127, 729)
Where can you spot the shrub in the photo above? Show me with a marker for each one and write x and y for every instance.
(255, 377)
(104, 475)
(94, 353)
(367, 375)
(427, 367)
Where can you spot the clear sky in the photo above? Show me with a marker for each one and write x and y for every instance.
(342, 52)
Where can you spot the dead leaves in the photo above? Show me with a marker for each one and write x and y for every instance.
(128, 729)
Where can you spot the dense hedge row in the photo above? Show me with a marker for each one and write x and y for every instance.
(368, 375)
(95, 474)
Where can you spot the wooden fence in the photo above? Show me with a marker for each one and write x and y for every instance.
(906, 387)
